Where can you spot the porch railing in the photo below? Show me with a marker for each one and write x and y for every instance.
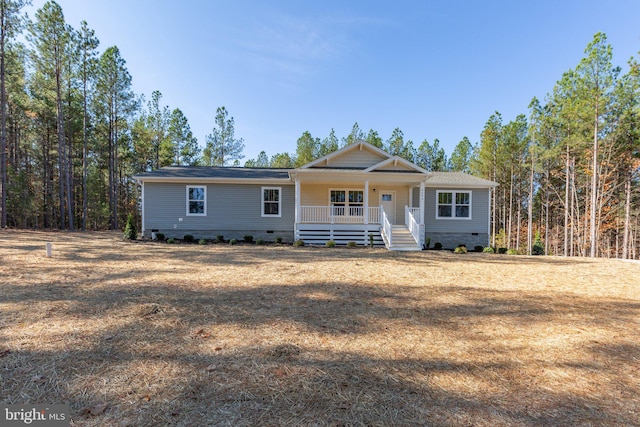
(412, 224)
(337, 214)
(387, 230)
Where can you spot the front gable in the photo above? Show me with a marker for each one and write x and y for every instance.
(359, 155)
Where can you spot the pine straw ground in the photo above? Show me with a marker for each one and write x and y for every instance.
(137, 334)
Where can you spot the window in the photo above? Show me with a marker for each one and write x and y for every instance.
(338, 201)
(453, 205)
(356, 200)
(271, 201)
(196, 200)
(347, 202)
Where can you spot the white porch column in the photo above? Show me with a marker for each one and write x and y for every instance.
(421, 222)
(366, 202)
(297, 212)
(410, 197)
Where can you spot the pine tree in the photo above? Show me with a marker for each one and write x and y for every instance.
(10, 24)
(221, 145)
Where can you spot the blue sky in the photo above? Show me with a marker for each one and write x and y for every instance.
(433, 69)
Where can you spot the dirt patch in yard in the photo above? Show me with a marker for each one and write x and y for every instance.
(147, 333)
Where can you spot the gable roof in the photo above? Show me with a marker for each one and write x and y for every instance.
(457, 179)
(215, 173)
(375, 156)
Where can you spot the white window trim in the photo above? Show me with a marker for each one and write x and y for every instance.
(347, 205)
(453, 205)
(205, 200)
(262, 201)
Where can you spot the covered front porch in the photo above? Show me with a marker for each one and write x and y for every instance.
(367, 212)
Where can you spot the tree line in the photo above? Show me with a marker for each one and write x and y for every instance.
(568, 170)
(73, 133)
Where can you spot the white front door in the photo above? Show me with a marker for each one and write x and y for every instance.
(388, 203)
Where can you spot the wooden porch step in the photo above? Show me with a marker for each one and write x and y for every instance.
(402, 239)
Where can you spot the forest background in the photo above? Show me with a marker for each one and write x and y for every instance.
(73, 134)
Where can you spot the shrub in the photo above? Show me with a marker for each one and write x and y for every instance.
(298, 243)
(371, 240)
(502, 250)
(331, 244)
(478, 248)
(188, 238)
(278, 239)
(171, 240)
(259, 242)
(351, 244)
(437, 246)
(488, 250)
(233, 241)
(427, 242)
(130, 232)
(512, 252)
(219, 238)
(538, 247)
(160, 237)
(202, 242)
(248, 238)
(460, 249)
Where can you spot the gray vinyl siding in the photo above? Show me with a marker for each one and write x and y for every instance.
(479, 213)
(230, 207)
(478, 223)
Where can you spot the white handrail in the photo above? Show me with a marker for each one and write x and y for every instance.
(411, 223)
(387, 231)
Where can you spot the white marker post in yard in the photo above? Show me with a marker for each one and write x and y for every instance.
(48, 250)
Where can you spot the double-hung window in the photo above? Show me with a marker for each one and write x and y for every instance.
(196, 200)
(356, 200)
(271, 201)
(453, 205)
(338, 200)
(346, 202)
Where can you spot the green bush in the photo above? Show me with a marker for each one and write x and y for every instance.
(219, 238)
(278, 240)
(460, 249)
(160, 237)
(512, 252)
(331, 244)
(171, 240)
(188, 238)
(427, 242)
(233, 241)
(298, 243)
(248, 238)
(538, 247)
(130, 232)
(351, 244)
(488, 250)
(371, 240)
(478, 248)
(202, 242)
(437, 246)
(502, 250)
(259, 242)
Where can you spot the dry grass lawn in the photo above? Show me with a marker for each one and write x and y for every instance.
(141, 334)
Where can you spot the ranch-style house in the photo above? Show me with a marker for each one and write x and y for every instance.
(359, 193)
